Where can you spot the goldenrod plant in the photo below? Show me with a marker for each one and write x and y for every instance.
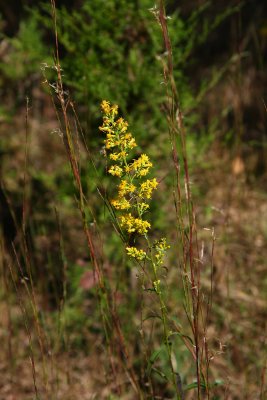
(134, 192)
(134, 189)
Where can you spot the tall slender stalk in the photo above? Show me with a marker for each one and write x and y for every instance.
(190, 261)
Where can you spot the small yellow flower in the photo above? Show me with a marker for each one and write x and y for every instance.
(118, 156)
(162, 244)
(125, 188)
(111, 140)
(106, 129)
(121, 204)
(121, 125)
(147, 187)
(114, 156)
(132, 224)
(143, 207)
(142, 226)
(141, 166)
(135, 253)
(105, 105)
(127, 142)
(115, 170)
(161, 247)
(108, 109)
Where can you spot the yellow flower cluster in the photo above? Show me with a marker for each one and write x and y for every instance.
(119, 142)
(135, 253)
(115, 170)
(116, 132)
(132, 224)
(134, 189)
(147, 187)
(109, 110)
(161, 247)
(121, 204)
(141, 166)
(125, 188)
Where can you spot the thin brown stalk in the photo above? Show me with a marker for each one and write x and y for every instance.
(27, 327)
(190, 255)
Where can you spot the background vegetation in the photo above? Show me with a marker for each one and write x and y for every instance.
(54, 344)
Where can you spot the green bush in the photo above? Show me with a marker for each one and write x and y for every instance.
(113, 50)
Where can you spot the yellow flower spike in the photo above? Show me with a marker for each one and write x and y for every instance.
(119, 142)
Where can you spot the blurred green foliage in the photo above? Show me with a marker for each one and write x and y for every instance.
(114, 50)
(27, 49)
(111, 50)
